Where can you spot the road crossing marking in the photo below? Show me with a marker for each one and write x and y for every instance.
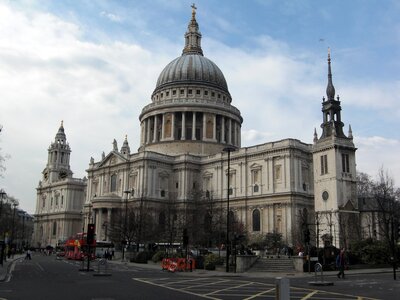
(208, 288)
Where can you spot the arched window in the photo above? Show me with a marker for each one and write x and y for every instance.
(255, 188)
(113, 187)
(256, 220)
(162, 193)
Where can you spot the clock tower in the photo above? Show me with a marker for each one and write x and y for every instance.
(60, 197)
(334, 164)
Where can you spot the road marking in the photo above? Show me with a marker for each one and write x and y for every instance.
(309, 295)
(259, 294)
(229, 288)
(40, 267)
(244, 289)
(174, 289)
(205, 284)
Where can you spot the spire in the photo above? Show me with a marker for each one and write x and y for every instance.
(350, 135)
(193, 36)
(330, 89)
(60, 136)
(125, 149)
(315, 135)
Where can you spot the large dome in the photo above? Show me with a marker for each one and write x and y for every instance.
(192, 68)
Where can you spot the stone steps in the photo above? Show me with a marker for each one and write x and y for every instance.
(274, 264)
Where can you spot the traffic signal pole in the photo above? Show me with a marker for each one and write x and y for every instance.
(89, 240)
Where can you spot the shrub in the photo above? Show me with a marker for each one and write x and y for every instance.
(210, 261)
(140, 257)
(158, 256)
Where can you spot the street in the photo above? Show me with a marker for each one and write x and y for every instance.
(44, 277)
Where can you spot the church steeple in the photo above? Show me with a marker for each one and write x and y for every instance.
(125, 149)
(58, 158)
(332, 125)
(330, 89)
(193, 36)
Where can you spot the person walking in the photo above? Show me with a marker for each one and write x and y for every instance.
(340, 263)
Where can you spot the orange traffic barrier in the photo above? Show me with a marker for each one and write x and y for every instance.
(172, 266)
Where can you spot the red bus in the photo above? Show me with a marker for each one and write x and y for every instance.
(76, 247)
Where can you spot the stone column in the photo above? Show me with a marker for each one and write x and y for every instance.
(173, 126)
(109, 211)
(148, 130)
(183, 135)
(223, 130)
(162, 127)
(204, 126)
(194, 126)
(215, 127)
(239, 135)
(230, 131)
(155, 129)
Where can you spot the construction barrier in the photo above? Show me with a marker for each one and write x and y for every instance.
(178, 264)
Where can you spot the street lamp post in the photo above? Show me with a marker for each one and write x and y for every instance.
(3, 195)
(229, 150)
(14, 204)
(127, 192)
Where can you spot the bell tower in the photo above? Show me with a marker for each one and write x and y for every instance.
(334, 163)
(57, 167)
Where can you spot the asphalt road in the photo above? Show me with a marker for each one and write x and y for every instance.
(45, 277)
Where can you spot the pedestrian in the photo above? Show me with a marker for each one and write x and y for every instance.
(340, 262)
(28, 254)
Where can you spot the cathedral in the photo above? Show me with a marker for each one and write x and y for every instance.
(190, 156)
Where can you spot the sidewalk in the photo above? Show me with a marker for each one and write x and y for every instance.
(221, 273)
(5, 269)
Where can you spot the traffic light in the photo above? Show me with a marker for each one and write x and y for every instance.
(90, 234)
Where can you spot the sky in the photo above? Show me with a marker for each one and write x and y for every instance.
(94, 64)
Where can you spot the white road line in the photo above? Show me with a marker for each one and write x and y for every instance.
(177, 290)
(40, 267)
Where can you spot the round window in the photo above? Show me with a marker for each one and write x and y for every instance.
(325, 195)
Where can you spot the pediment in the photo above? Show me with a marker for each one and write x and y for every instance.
(113, 158)
(255, 166)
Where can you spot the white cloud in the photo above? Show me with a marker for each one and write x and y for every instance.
(112, 17)
(376, 152)
(48, 74)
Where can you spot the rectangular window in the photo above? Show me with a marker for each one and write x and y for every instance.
(189, 92)
(324, 164)
(167, 94)
(197, 92)
(345, 163)
(182, 92)
(206, 93)
(212, 94)
(173, 92)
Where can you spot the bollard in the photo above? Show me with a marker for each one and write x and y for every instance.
(282, 288)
